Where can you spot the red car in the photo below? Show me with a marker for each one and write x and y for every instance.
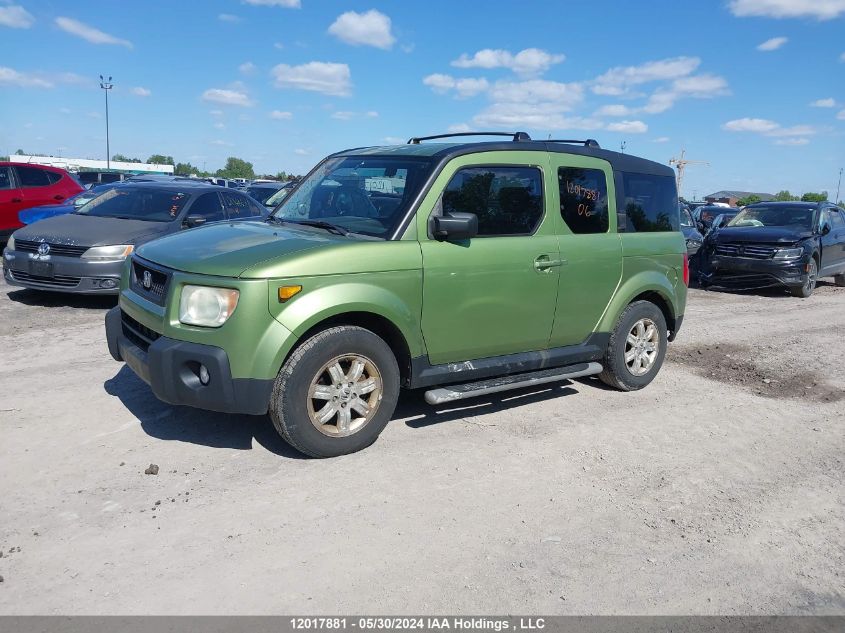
(25, 185)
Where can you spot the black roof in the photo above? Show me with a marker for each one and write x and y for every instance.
(170, 185)
(796, 203)
(441, 153)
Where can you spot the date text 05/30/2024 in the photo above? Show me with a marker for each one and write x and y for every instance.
(418, 623)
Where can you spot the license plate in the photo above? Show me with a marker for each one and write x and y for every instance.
(40, 269)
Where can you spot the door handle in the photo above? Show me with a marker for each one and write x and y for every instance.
(17, 199)
(543, 263)
(58, 197)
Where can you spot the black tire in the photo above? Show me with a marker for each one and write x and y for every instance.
(807, 288)
(839, 280)
(616, 372)
(289, 402)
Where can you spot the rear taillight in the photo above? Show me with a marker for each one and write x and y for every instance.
(686, 269)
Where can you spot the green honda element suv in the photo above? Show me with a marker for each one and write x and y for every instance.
(460, 268)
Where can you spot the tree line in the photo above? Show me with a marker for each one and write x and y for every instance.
(786, 196)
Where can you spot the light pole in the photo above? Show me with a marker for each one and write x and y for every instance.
(836, 200)
(107, 85)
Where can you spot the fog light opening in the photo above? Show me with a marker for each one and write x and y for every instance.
(108, 283)
(203, 374)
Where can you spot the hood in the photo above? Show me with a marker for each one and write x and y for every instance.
(28, 216)
(760, 234)
(228, 249)
(86, 230)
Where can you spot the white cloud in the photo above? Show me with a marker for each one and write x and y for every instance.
(564, 96)
(530, 61)
(221, 143)
(140, 91)
(464, 88)
(16, 17)
(11, 77)
(300, 152)
(660, 139)
(772, 44)
(750, 125)
(95, 115)
(819, 9)
(371, 28)
(795, 135)
(618, 80)
(326, 77)
(613, 110)
(228, 17)
(823, 103)
(287, 4)
(219, 125)
(278, 46)
(842, 58)
(459, 127)
(346, 115)
(696, 87)
(89, 33)
(629, 127)
(216, 112)
(841, 115)
(547, 116)
(64, 110)
(247, 68)
(279, 115)
(228, 97)
(394, 140)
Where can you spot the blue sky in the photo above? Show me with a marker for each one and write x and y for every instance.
(754, 87)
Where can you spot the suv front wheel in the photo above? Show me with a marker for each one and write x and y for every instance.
(637, 347)
(336, 392)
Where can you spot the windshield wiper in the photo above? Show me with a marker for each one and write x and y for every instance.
(320, 224)
(272, 219)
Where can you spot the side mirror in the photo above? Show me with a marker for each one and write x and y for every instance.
(825, 228)
(193, 220)
(454, 226)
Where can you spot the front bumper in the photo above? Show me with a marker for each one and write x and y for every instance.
(747, 273)
(62, 274)
(172, 369)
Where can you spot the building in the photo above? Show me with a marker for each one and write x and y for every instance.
(731, 197)
(84, 164)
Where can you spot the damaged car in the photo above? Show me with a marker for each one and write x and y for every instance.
(787, 244)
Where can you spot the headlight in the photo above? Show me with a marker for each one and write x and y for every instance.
(788, 253)
(207, 306)
(108, 252)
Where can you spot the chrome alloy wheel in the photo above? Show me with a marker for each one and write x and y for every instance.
(344, 395)
(812, 277)
(641, 347)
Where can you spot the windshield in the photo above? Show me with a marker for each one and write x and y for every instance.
(136, 203)
(261, 193)
(361, 194)
(786, 216)
(686, 218)
(277, 197)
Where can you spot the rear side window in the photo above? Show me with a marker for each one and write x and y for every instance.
(651, 203)
(33, 177)
(5, 178)
(507, 200)
(583, 199)
(237, 206)
(836, 219)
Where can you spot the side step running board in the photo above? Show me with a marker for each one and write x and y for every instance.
(504, 383)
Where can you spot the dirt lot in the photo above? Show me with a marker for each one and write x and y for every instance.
(719, 489)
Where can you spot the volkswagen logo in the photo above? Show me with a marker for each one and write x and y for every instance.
(43, 249)
(147, 280)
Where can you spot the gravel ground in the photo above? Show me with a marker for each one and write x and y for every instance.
(718, 489)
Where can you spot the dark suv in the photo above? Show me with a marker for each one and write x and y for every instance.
(788, 244)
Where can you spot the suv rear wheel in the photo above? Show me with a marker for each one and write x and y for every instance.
(637, 347)
(336, 392)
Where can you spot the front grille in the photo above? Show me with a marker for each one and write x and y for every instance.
(65, 250)
(157, 291)
(138, 333)
(60, 281)
(751, 251)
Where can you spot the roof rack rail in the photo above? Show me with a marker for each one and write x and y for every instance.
(517, 136)
(590, 142)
